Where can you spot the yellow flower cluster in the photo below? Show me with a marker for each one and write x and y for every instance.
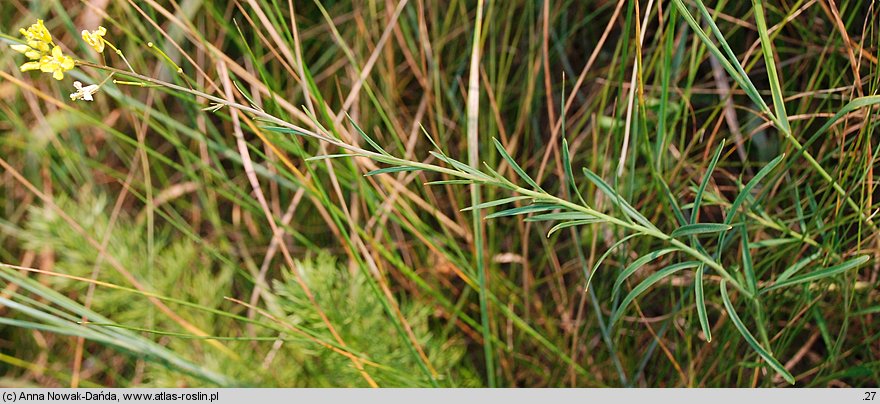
(43, 53)
(95, 39)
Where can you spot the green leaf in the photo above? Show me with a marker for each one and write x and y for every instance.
(770, 64)
(750, 339)
(706, 178)
(330, 156)
(869, 310)
(367, 138)
(538, 207)
(647, 283)
(733, 67)
(701, 303)
(391, 170)
(746, 191)
(605, 255)
(822, 273)
(851, 106)
(749, 270)
(519, 171)
(794, 269)
(700, 228)
(280, 129)
(635, 266)
(450, 182)
(566, 164)
(496, 203)
(617, 199)
(671, 199)
(773, 242)
(562, 216)
(457, 164)
(572, 223)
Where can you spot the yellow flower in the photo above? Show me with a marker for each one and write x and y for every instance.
(38, 41)
(37, 32)
(95, 39)
(31, 53)
(56, 63)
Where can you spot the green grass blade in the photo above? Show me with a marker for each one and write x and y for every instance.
(635, 266)
(746, 191)
(565, 225)
(770, 64)
(538, 207)
(750, 339)
(329, 156)
(387, 170)
(617, 199)
(701, 303)
(562, 216)
(368, 139)
(496, 202)
(820, 274)
(566, 165)
(605, 255)
(748, 268)
(514, 165)
(698, 198)
(458, 165)
(700, 228)
(736, 72)
(450, 182)
(796, 267)
(647, 283)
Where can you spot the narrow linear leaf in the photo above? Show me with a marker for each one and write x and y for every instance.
(799, 210)
(733, 67)
(853, 105)
(770, 63)
(671, 199)
(519, 171)
(747, 190)
(330, 156)
(566, 164)
(794, 269)
(495, 174)
(572, 223)
(748, 268)
(822, 273)
(450, 182)
(363, 134)
(561, 216)
(647, 283)
(700, 228)
(280, 129)
(750, 339)
(617, 199)
(635, 266)
(430, 139)
(869, 310)
(706, 178)
(523, 210)
(490, 204)
(701, 303)
(391, 170)
(605, 255)
(457, 164)
(773, 242)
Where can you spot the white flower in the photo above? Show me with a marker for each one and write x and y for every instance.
(84, 93)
